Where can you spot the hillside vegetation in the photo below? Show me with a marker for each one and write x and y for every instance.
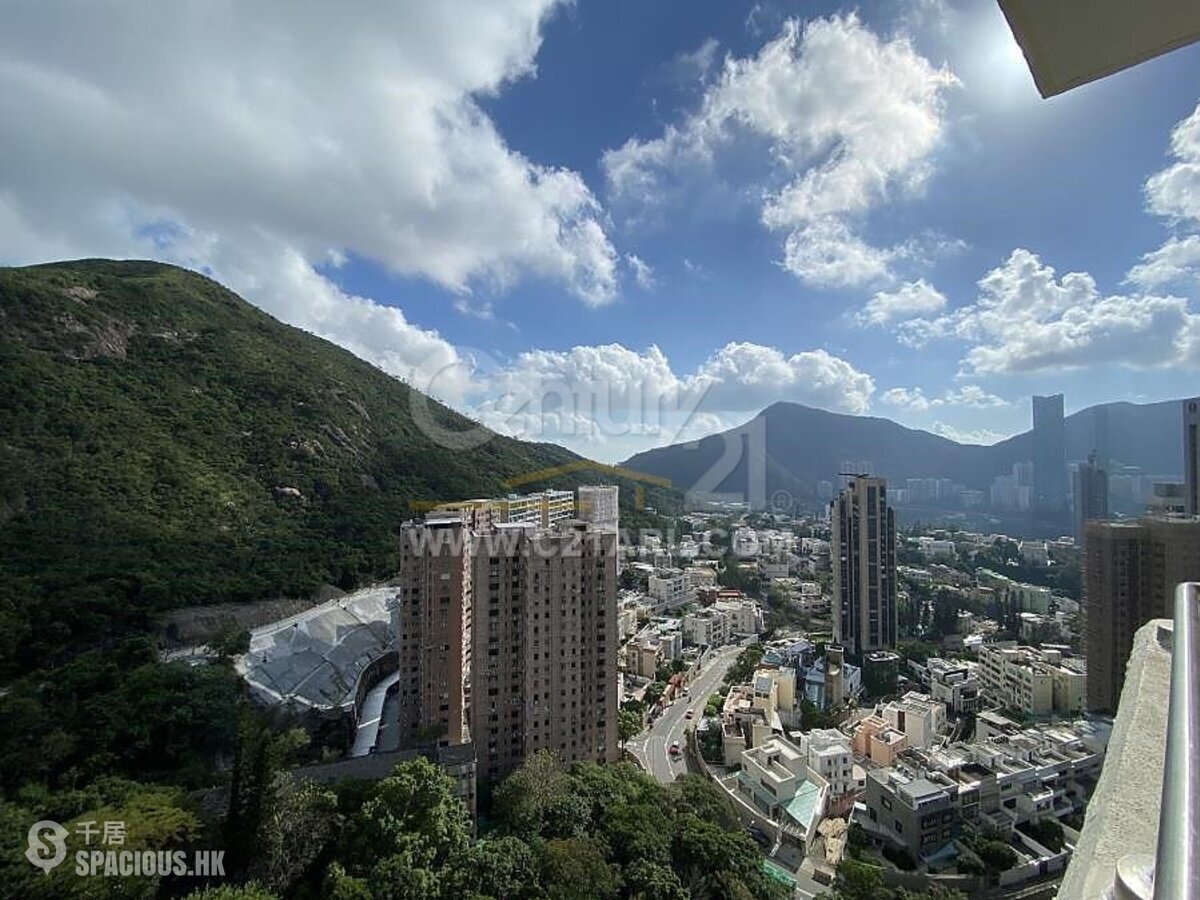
(164, 444)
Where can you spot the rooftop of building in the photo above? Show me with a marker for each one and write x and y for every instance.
(316, 657)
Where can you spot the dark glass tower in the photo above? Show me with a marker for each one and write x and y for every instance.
(863, 553)
(1091, 495)
(1049, 465)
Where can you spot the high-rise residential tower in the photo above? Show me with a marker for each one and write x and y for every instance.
(1191, 456)
(597, 504)
(432, 624)
(863, 554)
(536, 608)
(1130, 569)
(1091, 495)
(1049, 500)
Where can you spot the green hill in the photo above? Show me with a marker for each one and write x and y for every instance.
(163, 443)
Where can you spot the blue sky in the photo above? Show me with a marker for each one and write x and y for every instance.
(617, 224)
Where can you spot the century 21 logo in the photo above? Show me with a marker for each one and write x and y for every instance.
(47, 845)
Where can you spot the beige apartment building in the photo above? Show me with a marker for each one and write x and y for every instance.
(1038, 682)
(1130, 570)
(432, 623)
(536, 610)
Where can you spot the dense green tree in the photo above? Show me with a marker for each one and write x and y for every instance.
(745, 664)
(301, 819)
(576, 869)
(413, 813)
(646, 880)
(117, 713)
(654, 692)
(151, 818)
(501, 867)
(629, 725)
(859, 881)
(539, 799)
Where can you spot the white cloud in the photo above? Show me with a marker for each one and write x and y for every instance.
(1028, 320)
(851, 120)
(600, 397)
(968, 435)
(643, 273)
(1175, 261)
(1175, 191)
(482, 310)
(914, 298)
(970, 395)
(826, 253)
(329, 134)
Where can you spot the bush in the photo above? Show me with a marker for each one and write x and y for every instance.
(1047, 832)
(969, 865)
(996, 855)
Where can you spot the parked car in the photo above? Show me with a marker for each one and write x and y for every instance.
(675, 751)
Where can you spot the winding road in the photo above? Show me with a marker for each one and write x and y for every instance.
(652, 747)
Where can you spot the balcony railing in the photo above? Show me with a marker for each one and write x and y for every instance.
(1177, 862)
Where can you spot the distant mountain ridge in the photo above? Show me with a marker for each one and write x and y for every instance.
(804, 445)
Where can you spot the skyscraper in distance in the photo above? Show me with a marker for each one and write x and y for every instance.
(1049, 501)
(1091, 495)
(1100, 436)
(1191, 456)
(863, 554)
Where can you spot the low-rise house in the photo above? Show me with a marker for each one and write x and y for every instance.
(911, 812)
(670, 589)
(708, 627)
(876, 740)
(827, 752)
(745, 618)
(776, 780)
(954, 684)
(920, 718)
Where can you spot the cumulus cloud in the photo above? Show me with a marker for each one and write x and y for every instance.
(1175, 191)
(593, 395)
(323, 135)
(1176, 261)
(1026, 319)
(915, 399)
(850, 120)
(910, 300)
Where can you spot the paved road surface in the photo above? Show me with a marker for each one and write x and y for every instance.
(652, 748)
(371, 716)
